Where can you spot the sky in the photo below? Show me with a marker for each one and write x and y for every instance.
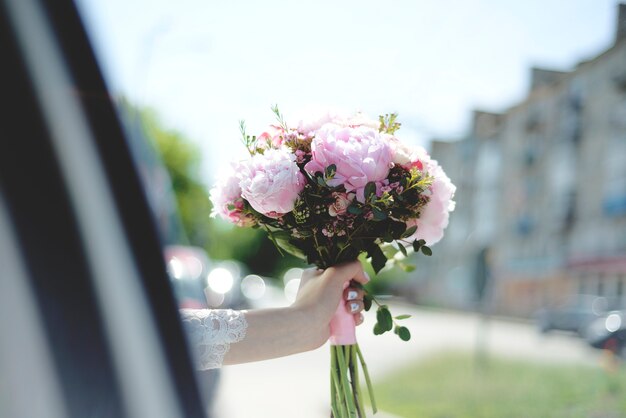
(205, 65)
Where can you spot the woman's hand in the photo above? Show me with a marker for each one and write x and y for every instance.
(321, 291)
(305, 325)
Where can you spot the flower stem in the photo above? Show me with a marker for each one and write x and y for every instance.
(370, 388)
(345, 385)
(337, 403)
(356, 384)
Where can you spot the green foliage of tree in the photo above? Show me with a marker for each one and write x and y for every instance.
(182, 159)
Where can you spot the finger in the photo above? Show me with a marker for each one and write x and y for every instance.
(311, 272)
(353, 293)
(358, 319)
(359, 274)
(354, 306)
(352, 270)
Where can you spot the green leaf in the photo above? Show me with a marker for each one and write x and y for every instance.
(355, 210)
(379, 215)
(367, 302)
(397, 228)
(403, 333)
(378, 258)
(401, 317)
(402, 249)
(407, 267)
(378, 330)
(370, 190)
(427, 251)
(384, 318)
(330, 171)
(416, 246)
(410, 231)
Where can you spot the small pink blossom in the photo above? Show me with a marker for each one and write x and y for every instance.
(271, 182)
(273, 137)
(341, 203)
(300, 156)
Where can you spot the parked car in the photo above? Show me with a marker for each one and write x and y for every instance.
(575, 314)
(608, 333)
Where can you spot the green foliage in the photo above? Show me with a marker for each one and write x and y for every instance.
(378, 258)
(384, 318)
(386, 322)
(182, 159)
(388, 123)
(250, 142)
(449, 385)
(403, 333)
(279, 117)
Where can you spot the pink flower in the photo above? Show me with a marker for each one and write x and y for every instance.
(407, 155)
(300, 156)
(272, 138)
(360, 155)
(341, 203)
(342, 119)
(436, 214)
(271, 182)
(356, 120)
(227, 200)
(315, 123)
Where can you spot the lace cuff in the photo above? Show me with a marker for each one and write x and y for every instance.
(210, 333)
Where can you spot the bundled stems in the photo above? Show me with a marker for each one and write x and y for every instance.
(346, 395)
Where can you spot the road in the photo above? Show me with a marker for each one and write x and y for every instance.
(298, 387)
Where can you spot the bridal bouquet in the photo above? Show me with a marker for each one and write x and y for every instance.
(328, 190)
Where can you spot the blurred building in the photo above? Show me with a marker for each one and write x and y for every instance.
(541, 201)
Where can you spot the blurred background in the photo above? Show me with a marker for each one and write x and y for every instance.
(520, 311)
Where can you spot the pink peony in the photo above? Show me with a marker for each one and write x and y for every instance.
(311, 125)
(360, 155)
(337, 118)
(435, 215)
(227, 200)
(356, 120)
(271, 182)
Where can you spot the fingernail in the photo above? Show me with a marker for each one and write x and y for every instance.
(354, 307)
(352, 295)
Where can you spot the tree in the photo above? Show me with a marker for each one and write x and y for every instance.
(182, 159)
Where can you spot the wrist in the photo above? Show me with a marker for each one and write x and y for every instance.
(313, 331)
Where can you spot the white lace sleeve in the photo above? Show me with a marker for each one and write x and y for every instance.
(210, 333)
